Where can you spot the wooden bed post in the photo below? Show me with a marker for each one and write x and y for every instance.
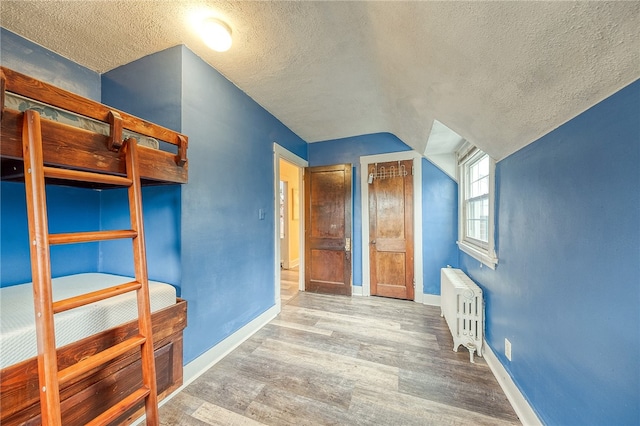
(181, 158)
(115, 134)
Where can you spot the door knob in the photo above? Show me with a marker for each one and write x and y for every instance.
(373, 241)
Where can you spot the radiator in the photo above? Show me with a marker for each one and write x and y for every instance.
(463, 308)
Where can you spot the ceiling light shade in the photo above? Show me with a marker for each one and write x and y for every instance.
(216, 34)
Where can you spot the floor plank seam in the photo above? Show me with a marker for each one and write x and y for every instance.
(329, 360)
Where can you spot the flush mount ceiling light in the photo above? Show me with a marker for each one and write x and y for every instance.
(216, 34)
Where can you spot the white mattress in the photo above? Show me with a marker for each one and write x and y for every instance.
(17, 323)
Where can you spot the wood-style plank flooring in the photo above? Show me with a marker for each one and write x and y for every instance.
(288, 284)
(334, 360)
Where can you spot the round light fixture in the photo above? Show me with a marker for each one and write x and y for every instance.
(216, 34)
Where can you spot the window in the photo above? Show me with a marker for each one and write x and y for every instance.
(475, 236)
(476, 201)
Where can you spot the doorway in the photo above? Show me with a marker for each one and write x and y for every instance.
(289, 224)
(289, 215)
(414, 167)
(328, 229)
(391, 229)
(289, 284)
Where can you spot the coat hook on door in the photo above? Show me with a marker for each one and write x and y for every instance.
(372, 173)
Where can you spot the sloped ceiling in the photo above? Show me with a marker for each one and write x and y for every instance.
(499, 74)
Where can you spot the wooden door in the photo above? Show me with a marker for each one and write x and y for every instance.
(328, 229)
(391, 229)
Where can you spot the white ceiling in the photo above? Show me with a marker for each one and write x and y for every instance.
(499, 74)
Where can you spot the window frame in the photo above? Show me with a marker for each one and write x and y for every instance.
(478, 249)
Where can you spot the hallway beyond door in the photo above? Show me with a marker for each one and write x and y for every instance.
(289, 279)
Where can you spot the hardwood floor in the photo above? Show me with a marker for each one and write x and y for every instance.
(288, 284)
(334, 360)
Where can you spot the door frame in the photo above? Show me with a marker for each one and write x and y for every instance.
(280, 152)
(417, 216)
(330, 244)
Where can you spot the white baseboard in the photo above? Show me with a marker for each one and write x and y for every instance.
(198, 366)
(431, 299)
(290, 263)
(520, 405)
(356, 290)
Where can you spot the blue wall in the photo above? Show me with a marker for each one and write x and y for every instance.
(566, 292)
(439, 225)
(153, 95)
(24, 56)
(228, 254)
(223, 252)
(149, 88)
(161, 211)
(70, 209)
(439, 203)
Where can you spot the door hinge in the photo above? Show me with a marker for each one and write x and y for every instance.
(414, 283)
(413, 170)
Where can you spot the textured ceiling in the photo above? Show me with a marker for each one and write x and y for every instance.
(499, 74)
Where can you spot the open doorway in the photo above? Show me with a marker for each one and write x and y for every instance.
(289, 235)
(289, 230)
(289, 215)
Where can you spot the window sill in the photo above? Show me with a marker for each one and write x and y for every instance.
(481, 255)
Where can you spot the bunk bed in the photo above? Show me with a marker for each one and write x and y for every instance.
(81, 134)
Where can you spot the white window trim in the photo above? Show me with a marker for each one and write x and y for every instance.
(486, 255)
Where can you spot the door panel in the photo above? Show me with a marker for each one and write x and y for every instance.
(333, 275)
(328, 229)
(391, 229)
(390, 274)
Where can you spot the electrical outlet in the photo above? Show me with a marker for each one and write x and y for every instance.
(507, 348)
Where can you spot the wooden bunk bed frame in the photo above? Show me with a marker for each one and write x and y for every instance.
(78, 149)
(20, 397)
(74, 148)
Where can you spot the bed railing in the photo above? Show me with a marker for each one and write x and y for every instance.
(82, 149)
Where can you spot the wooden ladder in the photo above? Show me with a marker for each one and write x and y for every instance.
(40, 240)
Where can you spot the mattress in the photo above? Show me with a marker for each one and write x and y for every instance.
(20, 103)
(17, 323)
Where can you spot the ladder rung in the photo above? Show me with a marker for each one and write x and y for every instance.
(78, 175)
(98, 359)
(91, 236)
(120, 408)
(94, 296)
(41, 258)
